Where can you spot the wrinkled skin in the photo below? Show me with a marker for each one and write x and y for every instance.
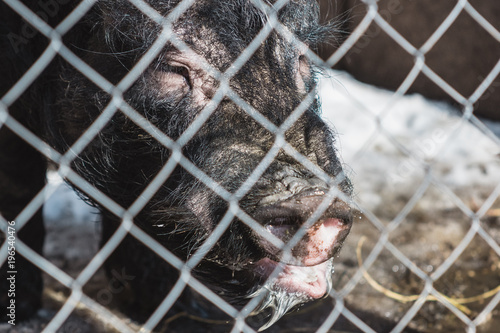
(123, 159)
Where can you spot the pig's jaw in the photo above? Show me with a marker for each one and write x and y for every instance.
(293, 285)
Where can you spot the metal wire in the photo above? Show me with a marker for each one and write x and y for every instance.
(117, 104)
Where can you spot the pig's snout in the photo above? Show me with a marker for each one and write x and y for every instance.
(283, 214)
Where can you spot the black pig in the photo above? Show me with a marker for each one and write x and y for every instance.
(122, 159)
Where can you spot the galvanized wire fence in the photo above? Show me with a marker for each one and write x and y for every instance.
(118, 104)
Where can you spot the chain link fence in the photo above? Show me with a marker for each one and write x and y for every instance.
(391, 284)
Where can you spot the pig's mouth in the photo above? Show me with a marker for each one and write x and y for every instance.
(305, 270)
(308, 228)
(301, 270)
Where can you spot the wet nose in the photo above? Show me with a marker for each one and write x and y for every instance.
(283, 218)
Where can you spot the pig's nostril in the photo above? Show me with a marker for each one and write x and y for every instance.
(279, 221)
(284, 232)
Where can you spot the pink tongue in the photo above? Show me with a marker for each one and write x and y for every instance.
(315, 247)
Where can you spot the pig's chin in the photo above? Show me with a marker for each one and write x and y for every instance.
(293, 285)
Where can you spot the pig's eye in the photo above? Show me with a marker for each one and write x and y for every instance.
(304, 73)
(176, 74)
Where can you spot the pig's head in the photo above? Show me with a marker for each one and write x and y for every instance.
(288, 195)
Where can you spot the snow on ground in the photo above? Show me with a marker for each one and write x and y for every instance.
(64, 202)
(431, 132)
